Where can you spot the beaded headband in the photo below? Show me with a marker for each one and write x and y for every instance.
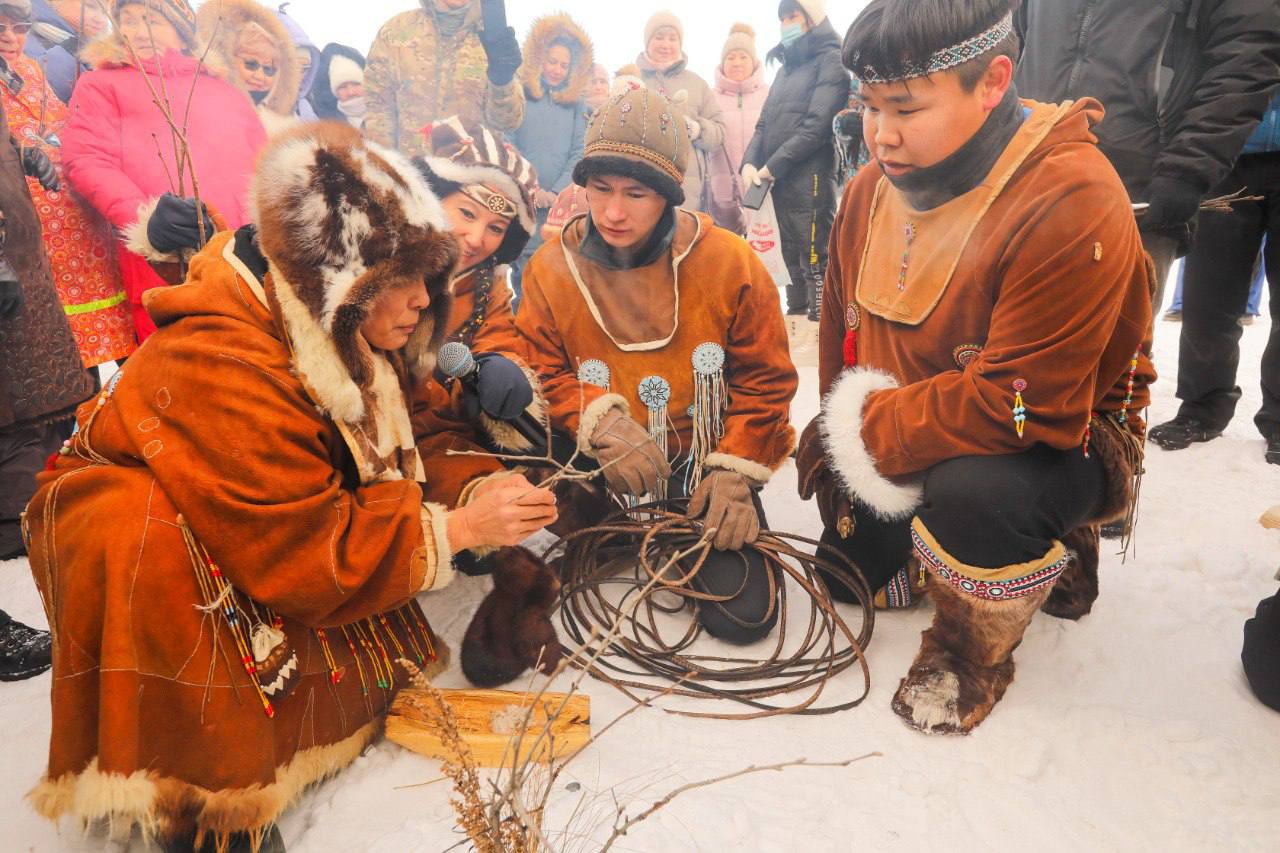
(494, 202)
(945, 59)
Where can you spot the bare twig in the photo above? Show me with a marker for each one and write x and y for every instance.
(623, 828)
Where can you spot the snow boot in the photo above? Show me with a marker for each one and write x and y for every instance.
(965, 662)
(24, 651)
(1273, 449)
(1181, 432)
(1077, 587)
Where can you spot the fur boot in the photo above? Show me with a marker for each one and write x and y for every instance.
(965, 661)
(512, 629)
(1077, 587)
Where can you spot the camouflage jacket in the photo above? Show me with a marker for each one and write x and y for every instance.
(414, 77)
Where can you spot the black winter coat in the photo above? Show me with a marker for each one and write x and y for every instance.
(793, 136)
(1184, 82)
(322, 98)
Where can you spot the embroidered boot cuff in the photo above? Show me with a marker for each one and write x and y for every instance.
(1013, 581)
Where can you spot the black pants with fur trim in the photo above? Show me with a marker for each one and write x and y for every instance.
(986, 511)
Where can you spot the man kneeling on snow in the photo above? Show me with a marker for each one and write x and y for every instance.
(660, 344)
(982, 348)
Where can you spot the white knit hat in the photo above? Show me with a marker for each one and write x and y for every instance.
(660, 20)
(343, 70)
(741, 37)
(815, 9)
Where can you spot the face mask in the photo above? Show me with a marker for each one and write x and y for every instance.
(352, 107)
(259, 97)
(791, 33)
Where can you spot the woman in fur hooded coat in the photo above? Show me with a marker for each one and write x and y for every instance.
(249, 39)
(558, 66)
(229, 548)
(109, 146)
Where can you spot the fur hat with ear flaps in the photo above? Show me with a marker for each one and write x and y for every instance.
(543, 35)
(341, 220)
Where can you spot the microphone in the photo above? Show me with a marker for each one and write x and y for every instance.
(456, 361)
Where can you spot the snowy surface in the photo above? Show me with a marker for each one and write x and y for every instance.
(1133, 729)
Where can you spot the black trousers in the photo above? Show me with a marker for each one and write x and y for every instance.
(1261, 653)
(1216, 292)
(23, 453)
(985, 511)
(745, 617)
(804, 233)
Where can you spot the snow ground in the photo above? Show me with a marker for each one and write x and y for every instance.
(1133, 729)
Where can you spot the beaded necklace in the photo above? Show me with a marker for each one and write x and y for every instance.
(466, 333)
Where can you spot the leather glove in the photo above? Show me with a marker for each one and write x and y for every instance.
(816, 479)
(725, 498)
(10, 291)
(502, 388)
(36, 164)
(173, 225)
(632, 462)
(694, 128)
(503, 52)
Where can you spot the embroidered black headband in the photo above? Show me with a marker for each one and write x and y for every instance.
(942, 60)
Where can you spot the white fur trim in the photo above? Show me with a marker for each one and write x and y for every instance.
(593, 414)
(125, 801)
(315, 357)
(435, 528)
(841, 428)
(137, 241)
(748, 468)
(934, 702)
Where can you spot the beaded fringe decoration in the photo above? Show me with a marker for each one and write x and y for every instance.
(367, 641)
(710, 400)
(655, 393)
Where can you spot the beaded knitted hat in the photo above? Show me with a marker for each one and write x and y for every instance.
(639, 134)
(941, 60)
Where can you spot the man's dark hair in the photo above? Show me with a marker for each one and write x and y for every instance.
(893, 35)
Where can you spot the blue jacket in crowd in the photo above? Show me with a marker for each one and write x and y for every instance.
(1267, 136)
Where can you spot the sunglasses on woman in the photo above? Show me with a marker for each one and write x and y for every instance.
(18, 29)
(252, 65)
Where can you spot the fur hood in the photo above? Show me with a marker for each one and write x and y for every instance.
(339, 220)
(544, 31)
(218, 24)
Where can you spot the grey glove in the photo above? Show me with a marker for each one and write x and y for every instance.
(632, 462)
(725, 498)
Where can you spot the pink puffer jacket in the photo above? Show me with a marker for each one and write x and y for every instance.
(740, 104)
(112, 158)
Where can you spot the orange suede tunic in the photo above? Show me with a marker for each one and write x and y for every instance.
(208, 428)
(440, 423)
(725, 297)
(1051, 294)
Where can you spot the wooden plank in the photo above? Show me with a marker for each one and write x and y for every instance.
(488, 720)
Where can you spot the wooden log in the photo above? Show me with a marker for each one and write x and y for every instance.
(488, 721)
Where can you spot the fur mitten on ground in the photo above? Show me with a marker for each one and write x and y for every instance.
(512, 629)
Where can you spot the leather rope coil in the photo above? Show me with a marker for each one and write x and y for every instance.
(607, 574)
